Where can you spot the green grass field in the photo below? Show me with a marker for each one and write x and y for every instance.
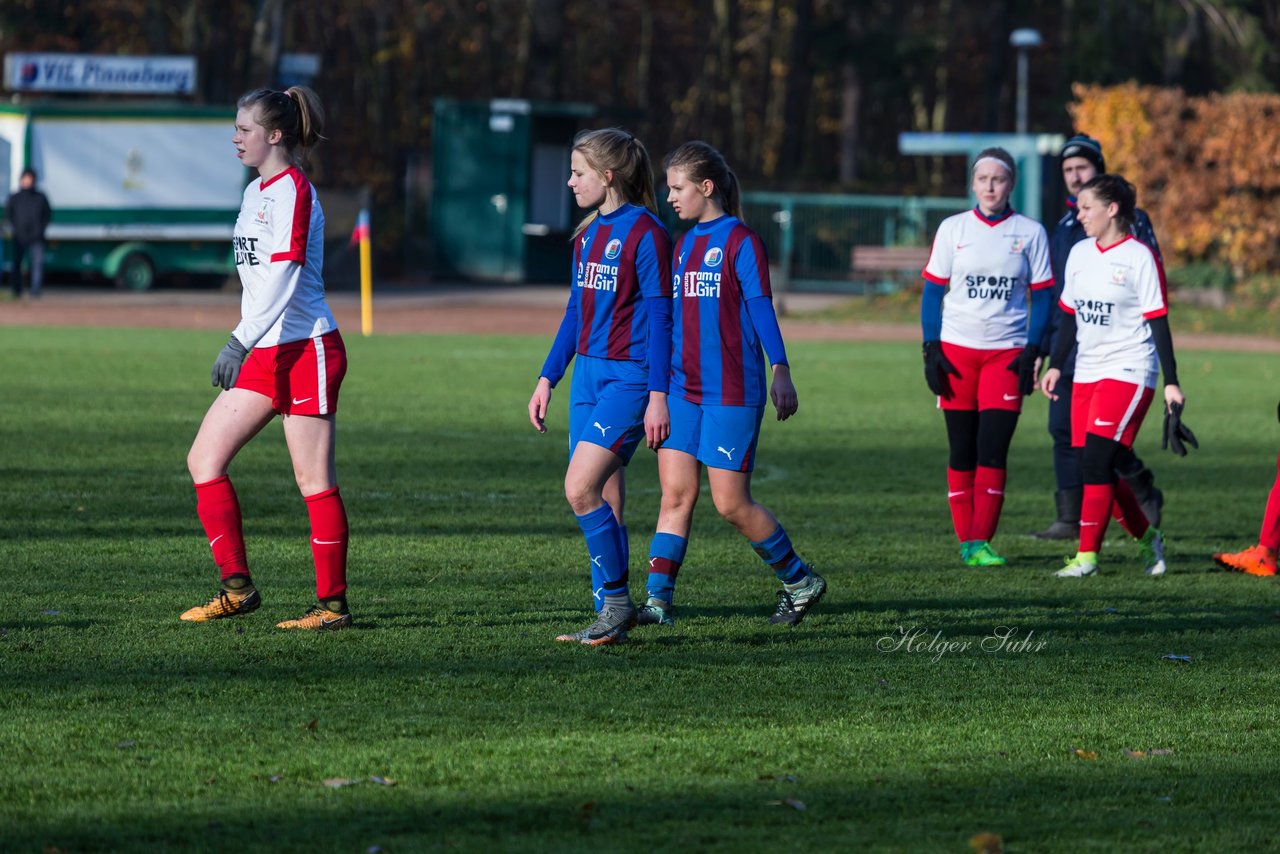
(123, 729)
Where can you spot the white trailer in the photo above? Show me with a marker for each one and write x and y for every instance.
(138, 190)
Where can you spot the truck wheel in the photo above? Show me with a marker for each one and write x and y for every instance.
(136, 272)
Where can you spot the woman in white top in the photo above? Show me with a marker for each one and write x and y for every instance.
(1115, 311)
(295, 361)
(987, 293)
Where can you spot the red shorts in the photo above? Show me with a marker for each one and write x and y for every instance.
(301, 377)
(1109, 408)
(985, 381)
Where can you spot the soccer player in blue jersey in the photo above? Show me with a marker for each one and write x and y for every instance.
(723, 314)
(618, 325)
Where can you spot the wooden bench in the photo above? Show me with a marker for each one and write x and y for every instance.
(889, 267)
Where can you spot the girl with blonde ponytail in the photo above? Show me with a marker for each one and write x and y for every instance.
(294, 366)
(617, 326)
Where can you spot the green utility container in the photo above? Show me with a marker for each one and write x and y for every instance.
(500, 207)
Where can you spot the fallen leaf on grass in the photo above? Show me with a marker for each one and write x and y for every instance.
(275, 778)
(126, 745)
(311, 727)
(798, 806)
(382, 781)
(1161, 751)
(1084, 754)
(987, 843)
(1185, 659)
(338, 782)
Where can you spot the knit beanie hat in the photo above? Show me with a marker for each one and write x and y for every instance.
(1083, 145)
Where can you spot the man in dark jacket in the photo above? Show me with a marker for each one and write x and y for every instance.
(28, 214)
(1081, 160)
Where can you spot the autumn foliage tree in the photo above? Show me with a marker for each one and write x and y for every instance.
(1207, 168)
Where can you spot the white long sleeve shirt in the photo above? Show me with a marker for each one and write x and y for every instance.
(279, 248)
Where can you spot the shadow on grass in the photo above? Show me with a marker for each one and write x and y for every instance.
(1059, 804)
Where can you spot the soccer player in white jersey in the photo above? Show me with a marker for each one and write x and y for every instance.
(295, 365)
(986, 299)
(1116, 313)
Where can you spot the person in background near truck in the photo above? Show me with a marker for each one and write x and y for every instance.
(1082, 161)
(295, 365)
(28, 213)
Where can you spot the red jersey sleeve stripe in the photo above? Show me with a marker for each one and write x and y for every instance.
(301, 225)
(1068, 309)
(1159, 312)
(938, 280)
(1037, 286)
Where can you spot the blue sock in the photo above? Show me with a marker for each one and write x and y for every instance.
(624, 546)
(597, 579)
(776, 551)
(600, 530)
(666, 553)
(597, 587)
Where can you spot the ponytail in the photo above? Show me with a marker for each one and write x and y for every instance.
(701, 162)
(295, 112)
(614, 150)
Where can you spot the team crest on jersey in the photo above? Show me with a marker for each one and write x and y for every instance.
(613, 249)
(713, 257)
(1119, 274)
(261, 216)
(1017, 244)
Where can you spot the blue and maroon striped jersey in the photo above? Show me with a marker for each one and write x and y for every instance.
(716, 353)
(622, 259)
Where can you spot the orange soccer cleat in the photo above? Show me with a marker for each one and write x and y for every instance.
(226, 603)
(1258, 560)
(319, 619)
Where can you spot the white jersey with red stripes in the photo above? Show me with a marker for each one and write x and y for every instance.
(989, 266)
(279, 248)
(1113, 291)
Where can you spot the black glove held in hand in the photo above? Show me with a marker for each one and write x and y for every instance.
(1175, 432)
(227, 366)
(936, 369)
(1024, 365)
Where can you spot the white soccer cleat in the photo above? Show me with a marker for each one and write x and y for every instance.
(1077, 567)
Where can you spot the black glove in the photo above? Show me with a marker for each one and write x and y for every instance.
(1175, 432)
(227, 366)
(1024, 365)
(936, 368)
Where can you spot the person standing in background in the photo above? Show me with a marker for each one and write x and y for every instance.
(28, 214)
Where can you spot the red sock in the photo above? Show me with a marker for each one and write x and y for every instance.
(219, 512)
(1095, 512)
(1128, 511)
(960, 497)
(1270, 536)
(988, 499)
(329, 542)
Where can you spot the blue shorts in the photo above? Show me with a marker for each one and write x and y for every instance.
(721, 437)
(607, 401)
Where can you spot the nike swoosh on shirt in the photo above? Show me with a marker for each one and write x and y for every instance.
(297, 402)
(1098, 422)
(954, 494)
(326, 542)
(1011, 396)
(215, 539)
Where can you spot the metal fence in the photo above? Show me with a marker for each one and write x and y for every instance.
(811, 237)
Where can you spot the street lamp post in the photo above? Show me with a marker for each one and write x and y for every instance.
(1023, 40)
